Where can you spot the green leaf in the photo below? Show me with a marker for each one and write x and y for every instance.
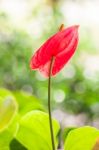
(66, 131)
(83, 138)
(4, 93)
(8, 118)
(27, 102)
(5, 138)
(8, 110)
(7, 135)
(34, 131)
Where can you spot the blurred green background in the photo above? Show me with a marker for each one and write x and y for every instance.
(24, 26)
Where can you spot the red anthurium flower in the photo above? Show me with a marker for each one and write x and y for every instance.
(60, 47)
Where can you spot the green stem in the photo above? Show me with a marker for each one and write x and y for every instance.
(49, 105)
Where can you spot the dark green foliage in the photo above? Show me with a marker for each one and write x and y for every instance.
(15, 145)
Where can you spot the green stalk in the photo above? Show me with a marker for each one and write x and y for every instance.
(49, 105)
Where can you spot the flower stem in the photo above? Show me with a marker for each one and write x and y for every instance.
(49, 105)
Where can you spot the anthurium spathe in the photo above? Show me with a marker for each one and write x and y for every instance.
(60, 47)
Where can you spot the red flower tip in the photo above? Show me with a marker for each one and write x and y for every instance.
(61, 46)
